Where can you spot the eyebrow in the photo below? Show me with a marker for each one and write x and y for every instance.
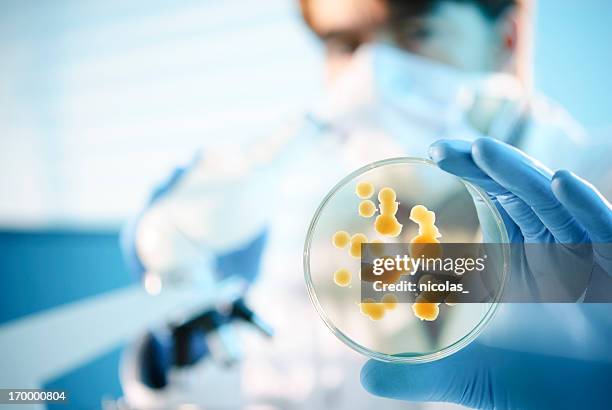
(333, 34)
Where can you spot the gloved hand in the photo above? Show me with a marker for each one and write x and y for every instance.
(537, 206)
(485, 377)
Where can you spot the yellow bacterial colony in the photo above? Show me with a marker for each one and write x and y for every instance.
(367, 208)
(364, 190)
(341, 239)
(342, 277)
(426, 310)
(356, 241)
(376, 310)
(425, 243)
(390, 301)
(372, 309)
(386, 223)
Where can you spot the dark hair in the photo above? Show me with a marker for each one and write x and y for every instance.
(400, 9)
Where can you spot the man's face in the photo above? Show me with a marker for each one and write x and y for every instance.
(344, 25)
(453, 33)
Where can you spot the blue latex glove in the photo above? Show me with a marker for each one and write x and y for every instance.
(486, 377)
(537, 206)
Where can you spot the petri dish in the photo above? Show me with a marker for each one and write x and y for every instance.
(464, 214)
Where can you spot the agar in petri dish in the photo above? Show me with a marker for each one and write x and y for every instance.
(423, 207)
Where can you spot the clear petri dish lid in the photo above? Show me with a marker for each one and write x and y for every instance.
(397, 331)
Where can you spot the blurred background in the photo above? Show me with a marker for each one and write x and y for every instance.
(100, 100)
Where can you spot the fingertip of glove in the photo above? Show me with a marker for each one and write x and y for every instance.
(563, 183)
(568, 186)
(483, 148)
(371, 379)
(438, 150)
(375, 378)
(446, 149)
(562, 176)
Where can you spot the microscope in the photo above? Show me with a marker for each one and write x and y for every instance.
(204, 335)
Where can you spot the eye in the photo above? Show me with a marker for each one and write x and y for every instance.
(342, 44)
(420, 33)
(411, 34)
(414, 32)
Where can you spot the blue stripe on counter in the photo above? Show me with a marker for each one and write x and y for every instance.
(43, 269)
(90, 384)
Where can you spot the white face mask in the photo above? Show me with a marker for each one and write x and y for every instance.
(418, 101)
